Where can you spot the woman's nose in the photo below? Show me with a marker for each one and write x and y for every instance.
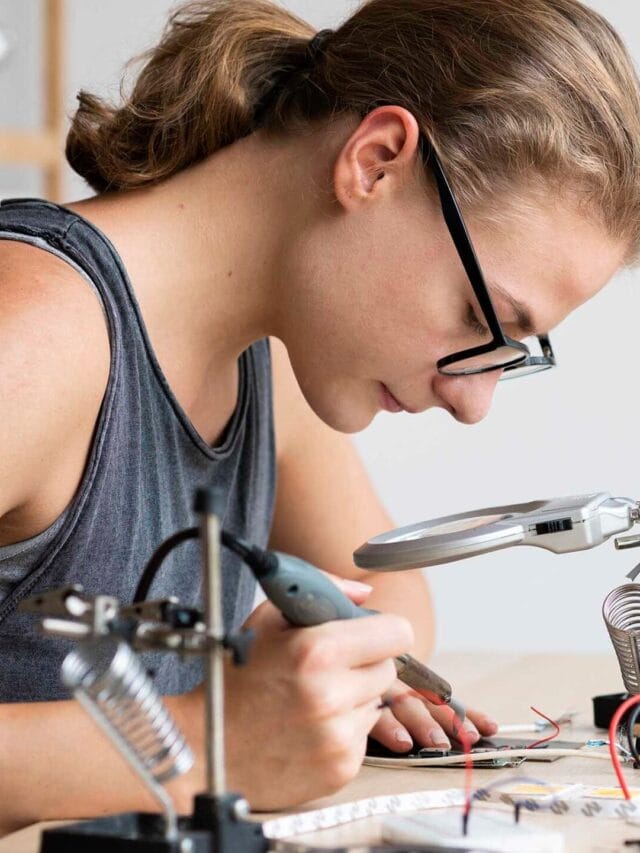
(468, 398)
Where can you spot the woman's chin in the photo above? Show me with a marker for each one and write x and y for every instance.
(349, 418)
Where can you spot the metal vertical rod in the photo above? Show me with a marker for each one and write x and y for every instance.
(214, 670)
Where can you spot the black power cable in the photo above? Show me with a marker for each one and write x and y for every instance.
(157, 558)
(633, 742)
(259, 560)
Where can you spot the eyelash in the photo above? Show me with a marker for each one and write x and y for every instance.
(474, 322)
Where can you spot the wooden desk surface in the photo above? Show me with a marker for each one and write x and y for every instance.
(505, 686)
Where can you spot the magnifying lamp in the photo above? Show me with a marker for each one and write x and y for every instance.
(560, 525)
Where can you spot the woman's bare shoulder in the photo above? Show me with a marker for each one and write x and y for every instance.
(54, 366)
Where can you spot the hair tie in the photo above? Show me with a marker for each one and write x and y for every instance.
(316, 47)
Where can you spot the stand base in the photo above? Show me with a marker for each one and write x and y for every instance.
(124, 833)
(214, 828)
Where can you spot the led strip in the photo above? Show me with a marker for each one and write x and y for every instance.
(569, 799)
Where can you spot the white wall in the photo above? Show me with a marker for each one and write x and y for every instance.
(571, 431)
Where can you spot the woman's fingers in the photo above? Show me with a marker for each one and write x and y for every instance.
(425, 728)
(391, 733)
(358, 642)
(357, 591)
(484, 724)
(357, 687)
(451, 724)
(475, 724)
(408, 720)
(410, 716)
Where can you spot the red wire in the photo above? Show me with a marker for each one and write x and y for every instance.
(460, 734)
(613, 728)
(463, 736)
(551, 736)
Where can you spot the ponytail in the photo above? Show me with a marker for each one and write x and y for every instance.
(198, 91)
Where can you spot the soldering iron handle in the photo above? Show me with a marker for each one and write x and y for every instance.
(306, 596)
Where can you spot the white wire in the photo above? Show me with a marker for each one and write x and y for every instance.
(484, 756)
(518, 728)
(565, 718)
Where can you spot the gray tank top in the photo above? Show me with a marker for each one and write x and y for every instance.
(145, 462)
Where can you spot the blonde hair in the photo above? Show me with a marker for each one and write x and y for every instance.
(509, 93)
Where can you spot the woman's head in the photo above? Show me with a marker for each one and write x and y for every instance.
(379, 292)
(534, 111)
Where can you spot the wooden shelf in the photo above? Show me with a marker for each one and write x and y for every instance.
(36, 147)
(43, 148)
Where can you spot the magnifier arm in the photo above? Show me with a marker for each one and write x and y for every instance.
(611, 517)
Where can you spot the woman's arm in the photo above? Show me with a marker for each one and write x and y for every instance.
(55, 763)
(54, 365)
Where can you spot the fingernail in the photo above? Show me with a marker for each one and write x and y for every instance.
(471, 730)
(357, 586)
(403, 737)
(439, 739)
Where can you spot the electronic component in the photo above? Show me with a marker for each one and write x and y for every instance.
(489, 830)
(543, 752)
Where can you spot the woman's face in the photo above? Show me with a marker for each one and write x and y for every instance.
(380, 295)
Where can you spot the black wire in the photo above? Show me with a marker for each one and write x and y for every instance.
(255, 558)
(631, 722)
(238, 546)
(157, 558)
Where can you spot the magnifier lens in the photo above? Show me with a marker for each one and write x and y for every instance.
(457, 526)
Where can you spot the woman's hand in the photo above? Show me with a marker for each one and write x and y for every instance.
(410, 718)
(299, 711)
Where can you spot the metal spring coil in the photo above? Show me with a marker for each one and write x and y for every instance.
(107, 672)
(621, 612)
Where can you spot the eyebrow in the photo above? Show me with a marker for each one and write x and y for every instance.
(522, 311)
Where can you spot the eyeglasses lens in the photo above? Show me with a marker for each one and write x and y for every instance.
(493, 360)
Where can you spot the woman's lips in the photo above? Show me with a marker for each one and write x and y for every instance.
(389, 402)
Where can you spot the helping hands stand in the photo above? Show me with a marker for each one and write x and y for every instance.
(219, 821)
(108, 679)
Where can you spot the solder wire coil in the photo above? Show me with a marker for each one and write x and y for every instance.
(621, 612)
(110, 682)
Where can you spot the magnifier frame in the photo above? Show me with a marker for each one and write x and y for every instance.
(559, 525)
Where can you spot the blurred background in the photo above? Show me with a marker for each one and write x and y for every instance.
(572, 430)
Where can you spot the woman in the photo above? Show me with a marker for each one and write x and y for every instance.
(258, 182)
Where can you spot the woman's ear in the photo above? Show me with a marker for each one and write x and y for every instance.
(377, 158)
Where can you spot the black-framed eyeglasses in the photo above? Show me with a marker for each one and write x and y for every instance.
(513, 357)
